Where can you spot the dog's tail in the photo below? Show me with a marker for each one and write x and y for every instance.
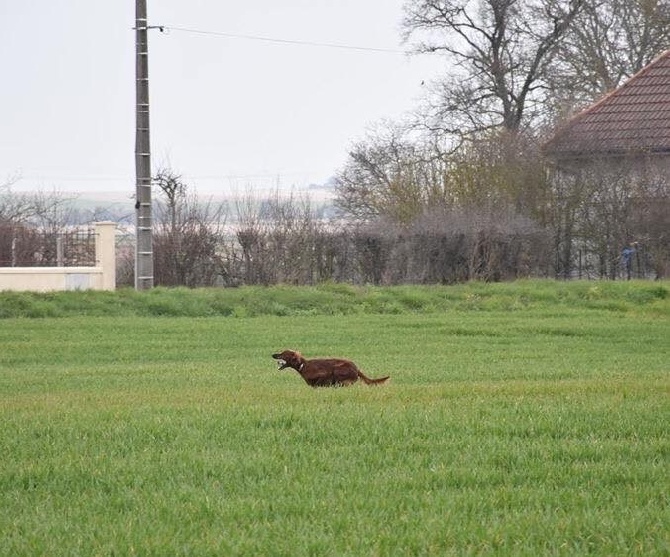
(368, 381)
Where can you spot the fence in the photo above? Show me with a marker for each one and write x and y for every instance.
(21, 246)
(64, 261)
(636, 261)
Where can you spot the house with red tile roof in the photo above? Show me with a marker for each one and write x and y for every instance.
(634, 119)
(611, 165)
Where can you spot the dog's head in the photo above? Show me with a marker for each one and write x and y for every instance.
(289, 358)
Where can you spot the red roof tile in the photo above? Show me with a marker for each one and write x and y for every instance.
(633, 118)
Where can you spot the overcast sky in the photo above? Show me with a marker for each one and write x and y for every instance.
(226, 112)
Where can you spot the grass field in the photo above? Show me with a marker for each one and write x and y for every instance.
(529, 418)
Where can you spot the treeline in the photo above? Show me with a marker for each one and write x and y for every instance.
(286, 239)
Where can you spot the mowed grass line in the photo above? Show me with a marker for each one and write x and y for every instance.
(527, 432)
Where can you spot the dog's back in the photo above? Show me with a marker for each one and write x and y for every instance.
(329, 371)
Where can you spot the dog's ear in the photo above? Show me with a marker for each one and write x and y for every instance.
(298, 356)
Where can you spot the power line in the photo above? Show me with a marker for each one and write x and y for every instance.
(124, 177)
(275, 40)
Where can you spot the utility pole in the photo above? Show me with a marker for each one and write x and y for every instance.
(144, 256)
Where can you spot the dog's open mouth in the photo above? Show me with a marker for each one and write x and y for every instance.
(281, 362)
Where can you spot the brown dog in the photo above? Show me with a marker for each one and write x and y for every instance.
(324, 372)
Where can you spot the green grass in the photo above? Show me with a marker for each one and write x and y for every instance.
(521, 419)
(339, 299)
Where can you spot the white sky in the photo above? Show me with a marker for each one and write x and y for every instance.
(225, 112)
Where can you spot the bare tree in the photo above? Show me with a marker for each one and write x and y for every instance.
(173, 189)
(392, 174)
(600, 208)
(502, 170)
(498, 54)
(281, 240)
(251, 235)
(188, 235)
(607, 43)
(14, 207)
(52, 212)
(35, 229)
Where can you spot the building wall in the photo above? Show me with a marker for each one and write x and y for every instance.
(44, 279)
